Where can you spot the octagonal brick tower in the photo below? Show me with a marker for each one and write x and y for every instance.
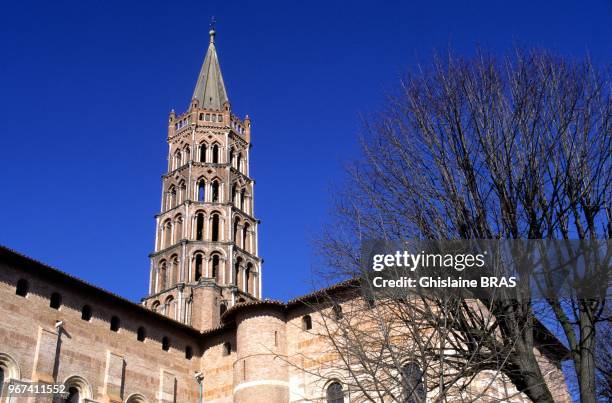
(206, 253)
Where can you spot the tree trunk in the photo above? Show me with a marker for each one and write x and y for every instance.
(586, 364)
(526, 374)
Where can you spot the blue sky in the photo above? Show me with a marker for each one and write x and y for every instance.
(86, 86)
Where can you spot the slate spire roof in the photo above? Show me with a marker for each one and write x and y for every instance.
(210, 89)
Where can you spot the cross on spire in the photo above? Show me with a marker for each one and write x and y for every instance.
(210, 89)
(212, 29)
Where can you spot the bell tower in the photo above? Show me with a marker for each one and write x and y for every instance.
(206, 253)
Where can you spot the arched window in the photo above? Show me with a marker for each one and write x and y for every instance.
(141, 334)
(167, 233)
(236, 225)
(181, 191)
(245, 237)
(306, 322)
(165, 343)
(136, 399)
(201, 191)
(169, 307)
(22, 288)
(227, 348)
(242, 199)
(413, 383)
(198, 267)
(237, 271)
(215, 191)
(155, 306)
(215, 266)
(215, 228)
(172, 191)
(178, 227)
(247, 276)
(188, 352)
(174, 271)
(9, 369)
(187, 152)
(215, 154)
(234, 191)
(86, 313)
(202, 152)
(163, 276)
(231, 156)
(222, 309)
(199, 226)
(73, 395)
(334, 393)
(114, 324)
(78, 390)
(239, 162)
(177, 159)
(56, 301)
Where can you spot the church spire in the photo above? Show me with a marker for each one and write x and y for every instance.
(210, 89)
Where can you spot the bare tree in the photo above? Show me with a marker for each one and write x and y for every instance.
(478, 148)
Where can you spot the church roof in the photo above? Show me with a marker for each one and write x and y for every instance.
(38, 268)
(210, 89)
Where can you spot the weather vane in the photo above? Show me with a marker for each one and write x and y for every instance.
(212, 23)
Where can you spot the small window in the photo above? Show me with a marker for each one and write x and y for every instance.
(86, 313)
(334, 393)
(165, 343)
(188, 352)
(22, 288)
(306, 322)
(56, 301)
(338, 312)
(114, 324)
(222, 309)
(413, 383)
(141, 334)
(227, 348)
